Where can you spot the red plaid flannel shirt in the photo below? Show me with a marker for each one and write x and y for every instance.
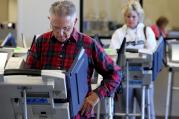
(48, 53)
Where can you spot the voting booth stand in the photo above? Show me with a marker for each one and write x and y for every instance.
(44, 94)
(173, 68)
(141, 68)
(138, 75)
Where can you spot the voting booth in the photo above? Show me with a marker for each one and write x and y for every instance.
(46, 94)
(173, 69)
(140, 69)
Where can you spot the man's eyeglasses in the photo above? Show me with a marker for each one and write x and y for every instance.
(64, 29)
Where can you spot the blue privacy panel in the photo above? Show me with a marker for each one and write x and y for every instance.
(77, 83)
(158, 58)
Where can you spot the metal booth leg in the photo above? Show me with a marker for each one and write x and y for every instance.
(149, 102)
(109, 107)
(143, 102)
(169, 91)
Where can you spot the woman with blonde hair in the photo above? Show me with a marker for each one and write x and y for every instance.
(133, 29)
(137, 37)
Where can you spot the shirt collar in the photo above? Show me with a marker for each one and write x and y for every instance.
(75, 36)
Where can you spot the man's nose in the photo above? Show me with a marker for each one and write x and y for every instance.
(61, 32)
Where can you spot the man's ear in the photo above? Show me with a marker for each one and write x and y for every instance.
(48, 17)
(76, 19)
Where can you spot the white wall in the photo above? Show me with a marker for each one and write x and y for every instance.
(33, 17)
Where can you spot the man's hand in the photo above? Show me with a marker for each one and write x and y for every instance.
(89, 103)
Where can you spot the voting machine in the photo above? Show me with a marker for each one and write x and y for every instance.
(44, 94)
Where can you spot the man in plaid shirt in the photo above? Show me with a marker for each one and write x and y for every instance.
(57, 49)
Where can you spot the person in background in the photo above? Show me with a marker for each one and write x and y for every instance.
(137, 37)
(159, 28)
(58, 48)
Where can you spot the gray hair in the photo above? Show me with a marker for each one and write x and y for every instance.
(63, 9)
(134, 5)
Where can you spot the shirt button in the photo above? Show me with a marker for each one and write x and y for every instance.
(61, 56)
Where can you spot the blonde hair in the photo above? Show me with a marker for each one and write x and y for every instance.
(134, 5)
